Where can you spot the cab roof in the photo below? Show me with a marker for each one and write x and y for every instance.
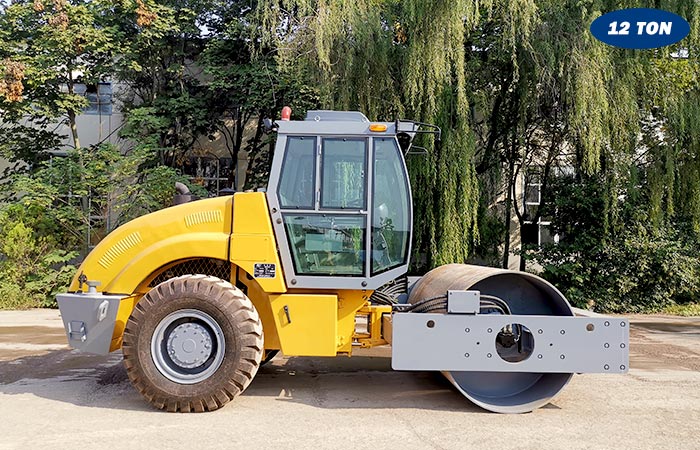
(338, 123)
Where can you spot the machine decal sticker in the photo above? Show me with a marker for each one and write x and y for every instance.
(264, 270)
(640, 28)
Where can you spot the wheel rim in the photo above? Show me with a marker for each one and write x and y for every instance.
(188, 346)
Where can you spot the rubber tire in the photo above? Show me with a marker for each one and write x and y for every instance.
(243, 335)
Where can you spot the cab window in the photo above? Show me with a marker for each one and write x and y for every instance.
(298, 178)
(343, 168)
(327, 244)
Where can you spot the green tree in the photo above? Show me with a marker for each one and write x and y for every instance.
(46, 48)
(166, 107)
(245, 90)
(33, 268)
(398, 60)
(635, 268)
(192, 77)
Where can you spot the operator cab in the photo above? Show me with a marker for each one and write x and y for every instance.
(340, 201)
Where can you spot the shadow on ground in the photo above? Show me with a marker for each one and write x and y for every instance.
(335, 383)
(71, 377)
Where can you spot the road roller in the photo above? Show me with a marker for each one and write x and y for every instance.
(199, 295)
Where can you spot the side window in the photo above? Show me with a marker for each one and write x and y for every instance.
(344, 163)
(296, 187)
(327, 244)
(390, 227)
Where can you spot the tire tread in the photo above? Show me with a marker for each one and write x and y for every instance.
(234, 304)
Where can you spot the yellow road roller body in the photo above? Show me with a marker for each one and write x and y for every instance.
(199, 295)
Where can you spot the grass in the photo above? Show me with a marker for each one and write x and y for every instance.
(685, 310)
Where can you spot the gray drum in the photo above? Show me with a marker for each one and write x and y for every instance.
(526, 294)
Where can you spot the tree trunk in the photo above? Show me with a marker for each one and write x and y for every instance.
(523, 261)
(509, 197)
(73, 128)
(84, 199)
(509, 207)
(520, 217)
(71, 113)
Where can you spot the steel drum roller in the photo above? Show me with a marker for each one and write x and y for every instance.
(526, 294)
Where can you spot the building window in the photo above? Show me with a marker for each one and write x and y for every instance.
(99, 97)
(540, 232)
(533, 189)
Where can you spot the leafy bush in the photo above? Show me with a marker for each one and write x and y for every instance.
(33, 269)
(686, 310)
(639, 272)
(50, 210)
(629, 267)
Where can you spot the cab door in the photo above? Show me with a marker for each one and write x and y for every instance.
(322, 206)
(323, 200)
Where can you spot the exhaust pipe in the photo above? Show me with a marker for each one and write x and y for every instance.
(182, 194)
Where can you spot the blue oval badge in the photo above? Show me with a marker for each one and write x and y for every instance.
(640, 28)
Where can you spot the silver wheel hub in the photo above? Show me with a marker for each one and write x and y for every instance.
(188, 346)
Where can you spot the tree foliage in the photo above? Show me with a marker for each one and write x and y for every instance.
(518, 87)
(47, 47)
(634, 268)
(34, 266)
(397, 60)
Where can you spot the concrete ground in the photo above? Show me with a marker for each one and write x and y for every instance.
(52, 397)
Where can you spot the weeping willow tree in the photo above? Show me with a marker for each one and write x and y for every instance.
(652, 155)
(630, 222)
(401, 59)
(629, 117)
(674, 160)
(554, 90)
(528, 68)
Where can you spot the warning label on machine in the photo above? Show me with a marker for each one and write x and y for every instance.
(264, 270)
